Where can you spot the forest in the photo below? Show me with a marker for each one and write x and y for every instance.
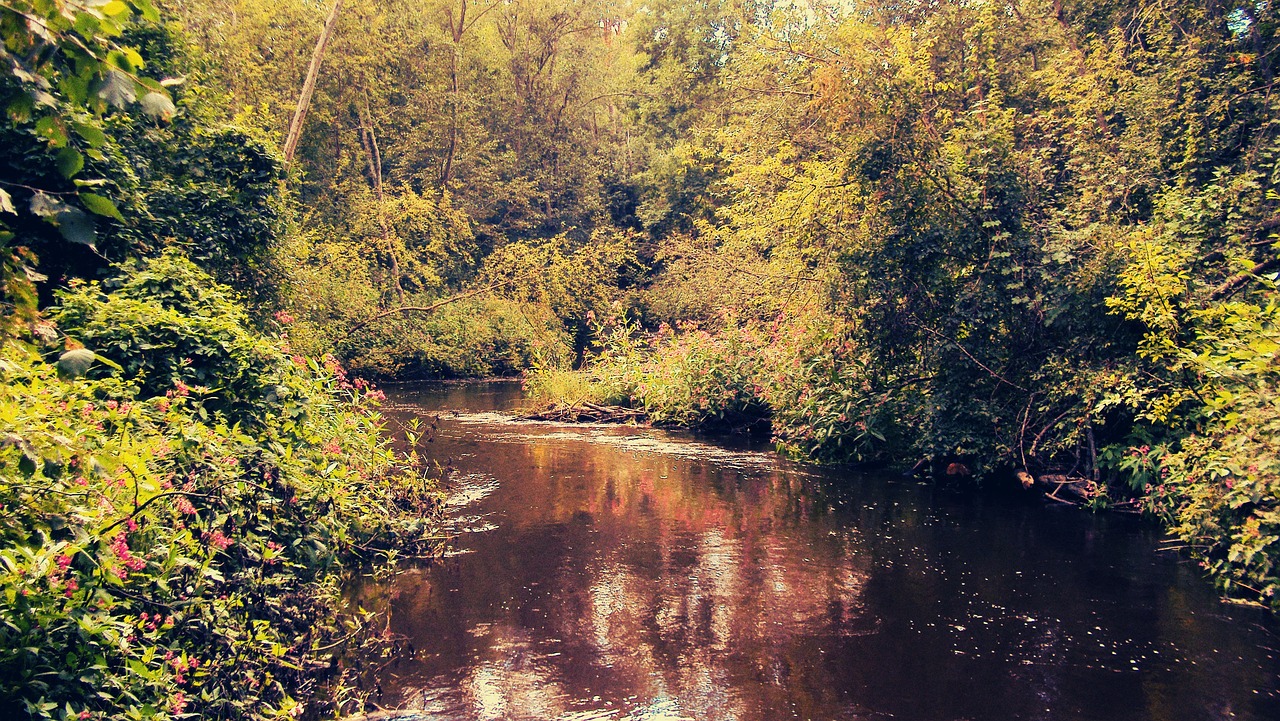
(993, 242)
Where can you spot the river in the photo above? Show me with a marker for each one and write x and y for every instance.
(612, 572)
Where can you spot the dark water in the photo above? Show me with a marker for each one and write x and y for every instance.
(622, 573)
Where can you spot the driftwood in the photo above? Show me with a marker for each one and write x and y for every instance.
(585, 412)
(1065, 489)
(387, 715)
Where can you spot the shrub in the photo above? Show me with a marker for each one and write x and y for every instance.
(176, 530)
(689, 378)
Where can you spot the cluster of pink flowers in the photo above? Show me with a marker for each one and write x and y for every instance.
(120, 547)
(154, 621)
(71, 585)
(181, 666)
(284, 317)
(179, 390)
(333, 448)
(334, 366)
(217, 539)
(184, 505)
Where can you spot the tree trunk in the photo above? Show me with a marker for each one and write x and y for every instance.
(309, 85)
(370, 141)
(456, 32)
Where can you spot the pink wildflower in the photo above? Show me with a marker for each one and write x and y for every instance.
(217, 539)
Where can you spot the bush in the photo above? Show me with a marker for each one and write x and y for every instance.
(691, 378)
(180, 509)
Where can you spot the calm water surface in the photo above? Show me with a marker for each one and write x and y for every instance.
(626, 573)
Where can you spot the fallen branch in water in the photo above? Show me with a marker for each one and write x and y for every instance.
(585, 412)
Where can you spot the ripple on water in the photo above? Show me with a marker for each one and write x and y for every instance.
(627, 438)
(470, 489)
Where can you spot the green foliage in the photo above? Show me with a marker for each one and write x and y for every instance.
(167, 324)
(469, 338)
(692, 378)
(107, 157)
(175, 550)
(65, 66)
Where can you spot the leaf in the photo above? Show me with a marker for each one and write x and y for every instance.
(158, 105)
(75, 363)
(147, 10)
(47, 206)
(6, 202)
(76, 226)
(51, 129)
(91, 134)
(101, 205)
(69, 162)
(117, 89)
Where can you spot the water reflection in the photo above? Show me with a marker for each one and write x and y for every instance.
(618, 573)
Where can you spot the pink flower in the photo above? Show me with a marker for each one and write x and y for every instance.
(120, 547)
(217, 539)
(64, 561)
(284, 318)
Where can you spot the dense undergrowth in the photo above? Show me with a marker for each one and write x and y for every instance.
(183, 499)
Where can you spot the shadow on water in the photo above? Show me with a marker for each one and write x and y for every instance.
(606, 572)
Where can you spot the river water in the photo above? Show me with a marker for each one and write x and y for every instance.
(610, 572)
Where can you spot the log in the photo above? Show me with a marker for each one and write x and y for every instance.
(1076, 490)
(585, 412)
